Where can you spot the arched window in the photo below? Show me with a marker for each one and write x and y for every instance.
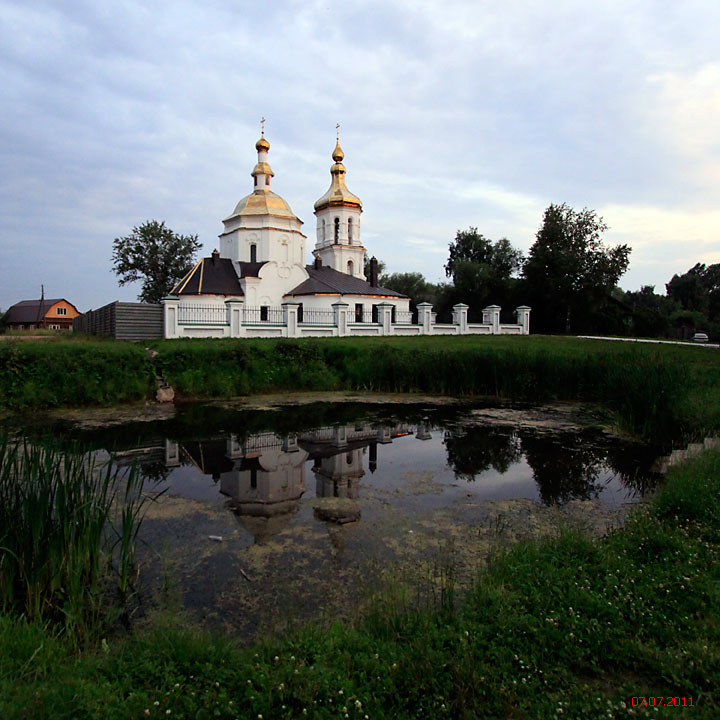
(267, 179)
(255, 180)
(253, 253)
(350, 231)
(350, 267)
(337, 230)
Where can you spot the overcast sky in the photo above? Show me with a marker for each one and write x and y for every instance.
(453, 113)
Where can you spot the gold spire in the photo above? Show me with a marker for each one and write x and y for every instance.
(262, 143)
(338, 194)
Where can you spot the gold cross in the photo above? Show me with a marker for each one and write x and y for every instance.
(337, 131)
(262, 125)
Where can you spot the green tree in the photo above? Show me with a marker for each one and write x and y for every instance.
(569, 272)
(501, 259)
(412, 284)
(156, 255)
(366, 267)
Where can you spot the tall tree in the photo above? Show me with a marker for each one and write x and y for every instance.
(156, 255)
(501, 258)
(412, 284)
(482, 272)
(570, 273)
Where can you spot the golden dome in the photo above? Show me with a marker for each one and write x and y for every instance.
(262, 144)
(262, 202)
(337, 193)
(338, 154)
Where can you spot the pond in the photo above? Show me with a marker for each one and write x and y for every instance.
(273, 515)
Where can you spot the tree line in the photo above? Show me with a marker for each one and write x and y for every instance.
(569, 278)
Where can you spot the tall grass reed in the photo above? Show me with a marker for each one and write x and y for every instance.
(68, 529)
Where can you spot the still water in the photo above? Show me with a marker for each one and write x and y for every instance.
(268, 517)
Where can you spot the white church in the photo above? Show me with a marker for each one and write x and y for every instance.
(258, 285)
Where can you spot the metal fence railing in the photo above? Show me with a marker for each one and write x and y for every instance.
(263, 314)
(202, 315)
(316, 317)
(366, 316)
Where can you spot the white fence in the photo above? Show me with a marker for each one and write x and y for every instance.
(233, 319)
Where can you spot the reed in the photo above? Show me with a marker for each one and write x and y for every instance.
(66, 529)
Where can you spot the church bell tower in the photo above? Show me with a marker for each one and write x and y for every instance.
(338, 223)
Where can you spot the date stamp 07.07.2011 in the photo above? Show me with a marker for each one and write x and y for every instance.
(662, 701)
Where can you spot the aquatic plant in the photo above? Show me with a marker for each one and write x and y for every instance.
(67, 524)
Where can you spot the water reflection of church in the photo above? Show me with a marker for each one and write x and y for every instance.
(264, 475)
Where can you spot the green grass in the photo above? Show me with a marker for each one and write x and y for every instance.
(67, 525)
(562, 628)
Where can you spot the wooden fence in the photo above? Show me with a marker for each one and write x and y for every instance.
(123, 321)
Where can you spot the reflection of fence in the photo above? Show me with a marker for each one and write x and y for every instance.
(263, 314)
(316, 317)
(202, 315)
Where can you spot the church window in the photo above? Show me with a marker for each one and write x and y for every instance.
(337, 230)
(358, 312)
(267, 179)
(253, 253)
(300, 313)
(349, 458)
(264, 313)
(350, 267)
(374, 313)
(323, 229)
(350, 231)
(255, 180)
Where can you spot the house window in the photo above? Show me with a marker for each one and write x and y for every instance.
(337, 230)
(263, 313)
(392, 315)
(374, 313)
(62, 311)
(54, 327)
(350, 267)
(358, 312)
(300, 313)
(350, 231)
(253, 253)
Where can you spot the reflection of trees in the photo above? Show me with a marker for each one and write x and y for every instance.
(565, 467)
(155, 471)
(474, 450)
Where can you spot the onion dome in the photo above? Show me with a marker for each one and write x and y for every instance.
(337, 193)
(262, 143)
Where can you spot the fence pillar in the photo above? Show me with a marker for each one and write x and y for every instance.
(340, 313)
(290, 317)
(385, 318)
(491, 317)
(523, 318)
(233, 307)
(425, 317)
(170, 305)
(460, 312)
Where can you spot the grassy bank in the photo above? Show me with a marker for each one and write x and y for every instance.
(657, 390)
(564, 628)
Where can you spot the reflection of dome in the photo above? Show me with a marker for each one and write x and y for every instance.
(263, 520)
(262, 202)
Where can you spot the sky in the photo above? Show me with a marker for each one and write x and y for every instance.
(453, 114)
